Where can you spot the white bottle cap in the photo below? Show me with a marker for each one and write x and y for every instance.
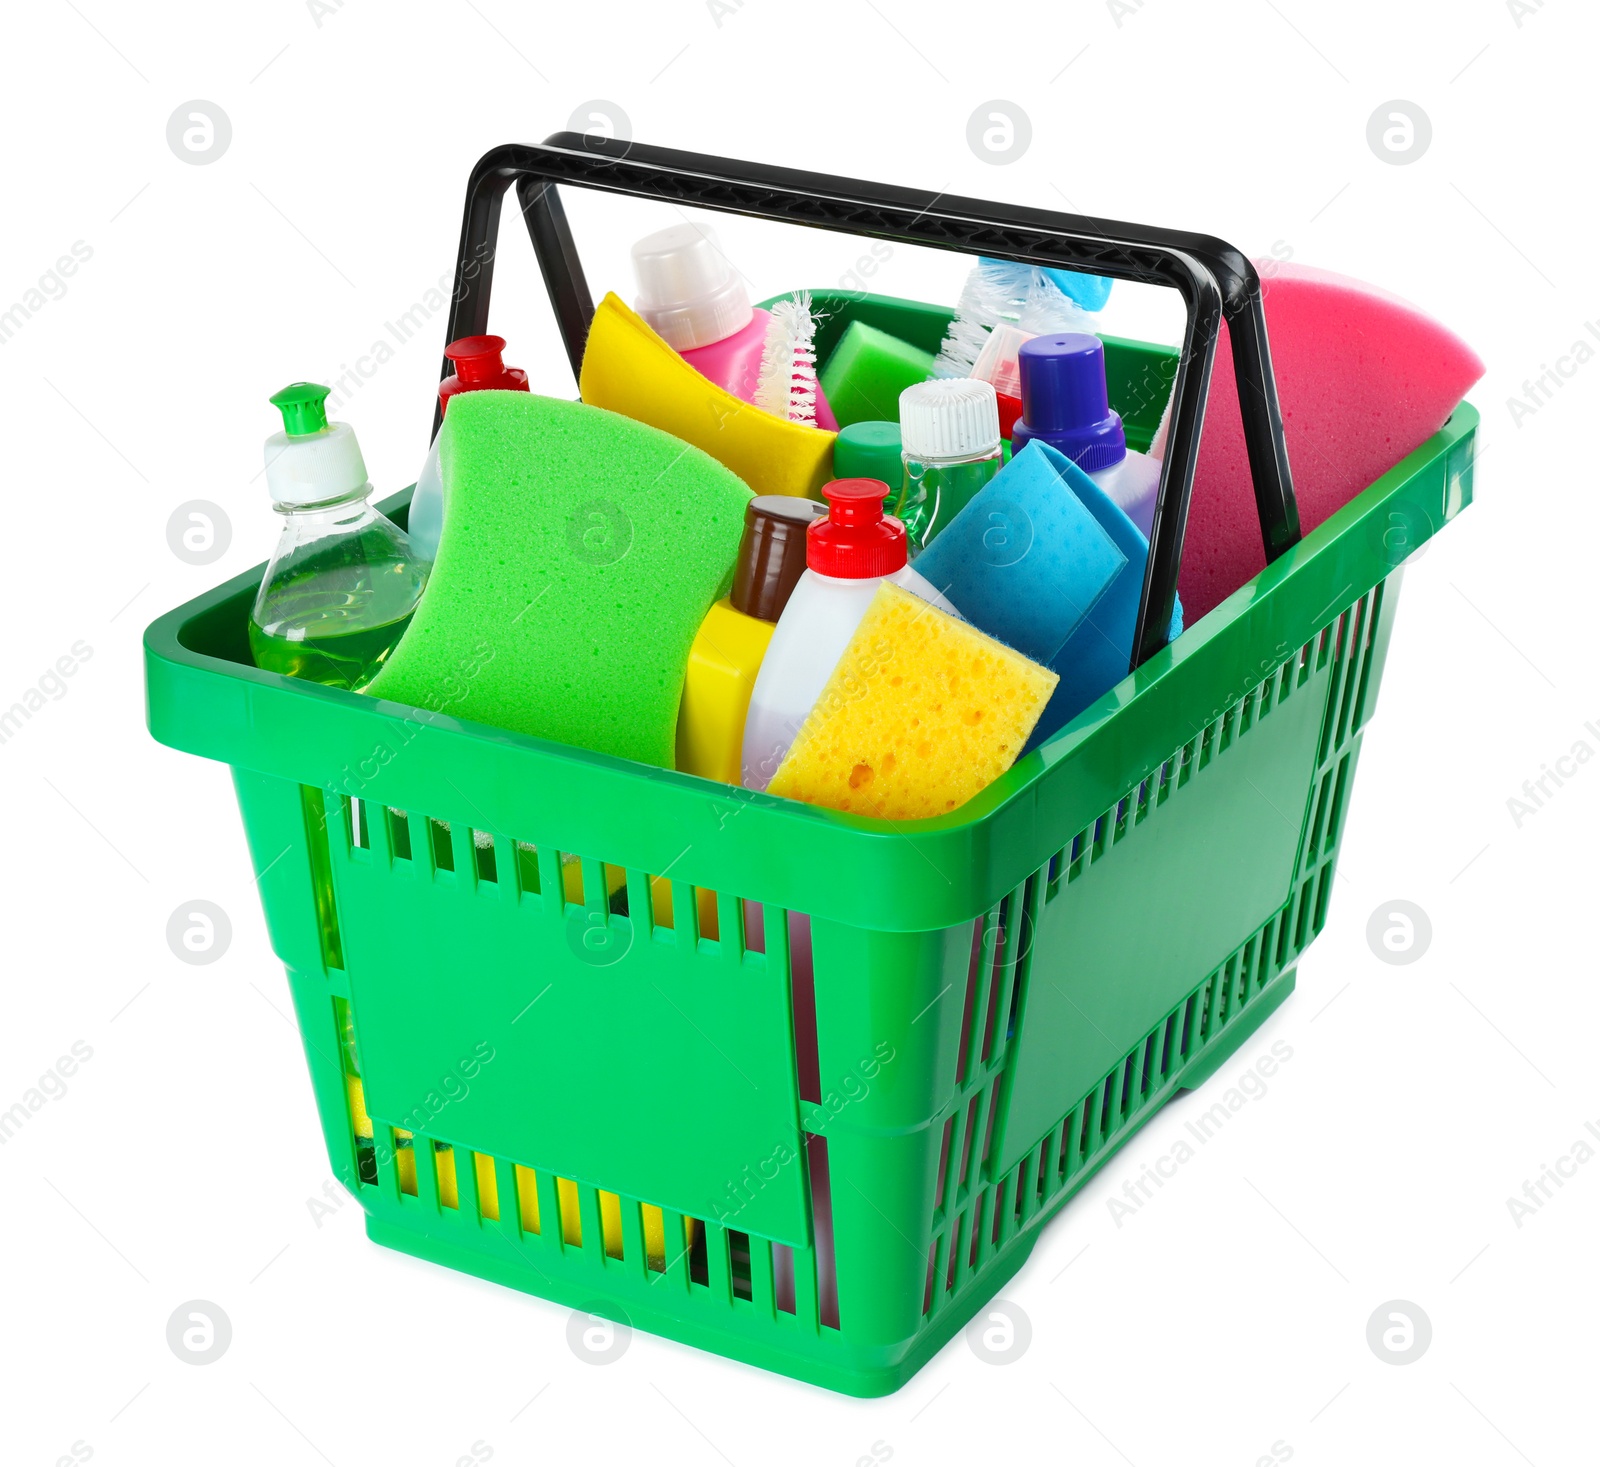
(314, 468)
(950, 417)
(688, 292)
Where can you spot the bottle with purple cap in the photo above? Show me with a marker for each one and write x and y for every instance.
(1064, 402)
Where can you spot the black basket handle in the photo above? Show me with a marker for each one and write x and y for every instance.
(1216, 282)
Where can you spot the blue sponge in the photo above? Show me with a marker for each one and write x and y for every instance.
(1095, 658)
(1025, 560)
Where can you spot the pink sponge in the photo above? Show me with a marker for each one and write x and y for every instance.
(1363, 378)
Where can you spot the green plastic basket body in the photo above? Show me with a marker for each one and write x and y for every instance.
(531, 1078)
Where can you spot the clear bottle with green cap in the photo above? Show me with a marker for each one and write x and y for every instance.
(342, 585)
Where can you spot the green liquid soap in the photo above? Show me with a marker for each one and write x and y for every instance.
(338, 625)
(343, 583)
(934, 493)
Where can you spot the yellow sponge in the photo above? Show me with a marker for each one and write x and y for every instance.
(631, 370)
(920, 714)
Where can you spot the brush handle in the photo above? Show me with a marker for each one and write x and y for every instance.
(1216, 281)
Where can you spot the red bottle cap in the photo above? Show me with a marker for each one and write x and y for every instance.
(479, 364)
(857, 539)
(1010, 411)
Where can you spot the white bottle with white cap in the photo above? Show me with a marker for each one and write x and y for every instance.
(950, 445)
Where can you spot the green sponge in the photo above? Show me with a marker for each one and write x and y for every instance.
(868, 370)
(581, 551)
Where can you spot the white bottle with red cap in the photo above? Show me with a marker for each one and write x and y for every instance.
(479, 366)
(848, 554)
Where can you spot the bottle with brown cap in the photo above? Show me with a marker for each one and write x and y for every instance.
(733, 638)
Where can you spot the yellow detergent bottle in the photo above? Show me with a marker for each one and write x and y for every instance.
(733, 638)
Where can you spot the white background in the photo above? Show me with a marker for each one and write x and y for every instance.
(1229, 1315)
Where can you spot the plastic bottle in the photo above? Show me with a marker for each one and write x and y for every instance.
(847, 554)
(478, 365)
(342, 584)
(950, 431)
(870, 450)
(997, 365)
(733, 639)
(1064, 402)
(695, 301)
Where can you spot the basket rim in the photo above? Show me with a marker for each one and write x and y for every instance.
(1271, 602)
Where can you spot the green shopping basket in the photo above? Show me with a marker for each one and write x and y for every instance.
(553, 1044)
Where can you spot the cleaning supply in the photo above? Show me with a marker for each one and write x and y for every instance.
(629, 369)
(733, 639)
(692, 297)
(1095, 658)
(1003, 292)
(1064, 403)
(1364, 378)
(920, 714)
(479, 365)
(580, 555)
(868, 370)
(870, 450)
(997, 365)
(950, 429)
(343, 583)
(848, 554)
(1025, 560)
(787, 386)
